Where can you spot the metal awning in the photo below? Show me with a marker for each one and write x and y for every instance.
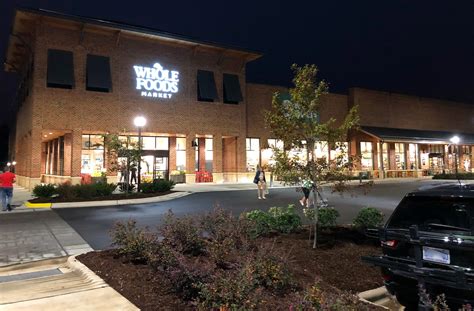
(60, 69)
(206, 85)
(232, 92)
(416, 136)
(98, 73)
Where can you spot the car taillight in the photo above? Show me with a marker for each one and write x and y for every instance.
(389, 243)
(386, 277)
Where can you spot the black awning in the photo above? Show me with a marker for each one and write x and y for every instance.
(98, 76)
(417, 136)
(206, 85)
(60, 69)
(232, 91)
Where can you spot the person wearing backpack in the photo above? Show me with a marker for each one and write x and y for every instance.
(7, 179)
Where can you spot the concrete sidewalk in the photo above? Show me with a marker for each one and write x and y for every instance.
(37, 235)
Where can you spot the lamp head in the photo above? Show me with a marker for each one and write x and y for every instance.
(139, 121)
(455, 139)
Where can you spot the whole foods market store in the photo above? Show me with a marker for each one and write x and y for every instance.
(389, 152)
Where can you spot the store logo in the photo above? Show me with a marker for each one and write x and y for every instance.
(156, 82)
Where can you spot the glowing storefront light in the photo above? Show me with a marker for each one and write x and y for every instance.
(156, 82)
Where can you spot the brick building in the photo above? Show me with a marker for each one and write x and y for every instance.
(82, 78)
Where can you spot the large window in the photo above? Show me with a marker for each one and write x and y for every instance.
(385, 157)
(340, 153)
(400, 156)
(366, 160)
(208, 154)
(268, 154)
(412, 156)
(253, 153)
(180, 153)
(321, 149)
(92, 157)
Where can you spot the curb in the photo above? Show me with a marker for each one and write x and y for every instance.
(156, 199)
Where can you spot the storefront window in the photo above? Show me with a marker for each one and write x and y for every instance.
(321, 149)
(253, 153)
(209, 154)
(267, 154)
(162, 143)
(412, 156)
(148, 143)
(299, 152)
(385, 157)
(400, 156)
(366, 160)
(340, 153)
(180, 153)
(92, 157)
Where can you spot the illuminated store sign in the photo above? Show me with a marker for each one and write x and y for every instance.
(156, 82)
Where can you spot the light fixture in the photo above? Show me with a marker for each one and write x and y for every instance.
(14, 163)
(45, 135)
(139, 121)
(455, 139)
(50, 133)
(9, 164)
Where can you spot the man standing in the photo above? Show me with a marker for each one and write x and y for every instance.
(7, 179)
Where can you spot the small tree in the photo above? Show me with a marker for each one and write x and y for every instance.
(296, 121)
(129, 150)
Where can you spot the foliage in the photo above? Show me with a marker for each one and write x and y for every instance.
(234, 291)
(126, 187)
(454, 176)
(66, 191)
(182, 234)
(269, 271)
(187, 278)
(279, 219)
(296, 121)
(157, 186)
(315, 298)
(44, 190)
(104, 189)
(262, 222)
(368, 217)
(134, 242)
(327, 217)
(285, 219)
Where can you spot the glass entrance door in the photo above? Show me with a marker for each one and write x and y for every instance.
(160, 170)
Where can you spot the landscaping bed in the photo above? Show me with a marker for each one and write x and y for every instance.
(277, 271)
(118, 196)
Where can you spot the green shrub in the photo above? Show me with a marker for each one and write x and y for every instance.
(157, 186)
(85, 191)
(187, 278)
(285, 219)
(454, 176)
(66, 191)
(182, 234)
(279, 219)
(327, 217)
(44, 191)
(132, 241)
(104, 189)
(262, 222)
(368, 217)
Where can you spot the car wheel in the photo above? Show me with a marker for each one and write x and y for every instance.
(408, 300)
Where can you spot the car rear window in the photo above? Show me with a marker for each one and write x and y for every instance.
(434, 213)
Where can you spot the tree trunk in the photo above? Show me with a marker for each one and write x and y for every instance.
(316, 209)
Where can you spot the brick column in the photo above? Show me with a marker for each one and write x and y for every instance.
(44, 157)
(172, 158)
(217, 165)
(67, 154)
(202, 153)
(190, 159)
(76, 152)
(241, 155)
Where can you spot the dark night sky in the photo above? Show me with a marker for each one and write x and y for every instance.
(417, 47)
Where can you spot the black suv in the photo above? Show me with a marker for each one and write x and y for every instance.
(429, 241)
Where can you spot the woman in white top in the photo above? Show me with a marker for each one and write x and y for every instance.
(261, 183)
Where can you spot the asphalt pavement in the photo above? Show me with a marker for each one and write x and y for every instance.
(94, 223)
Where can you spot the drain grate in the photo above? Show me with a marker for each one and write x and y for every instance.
(29, 275)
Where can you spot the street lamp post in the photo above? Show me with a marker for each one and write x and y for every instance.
(455, 140)
(139, 122)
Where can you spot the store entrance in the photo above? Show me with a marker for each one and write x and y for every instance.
(154, 165)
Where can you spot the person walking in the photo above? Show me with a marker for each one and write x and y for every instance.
(261, 183)
(7, 179)
(306, 187)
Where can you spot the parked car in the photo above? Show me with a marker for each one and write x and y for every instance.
(429, 241)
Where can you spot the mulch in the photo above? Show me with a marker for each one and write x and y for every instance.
(336, 262)
(119, 196)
